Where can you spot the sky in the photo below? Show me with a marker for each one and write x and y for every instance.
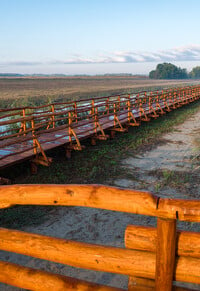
(97, 36)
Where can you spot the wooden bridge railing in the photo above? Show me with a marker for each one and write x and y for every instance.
(29, 131)
(52, 115)
(152, 259)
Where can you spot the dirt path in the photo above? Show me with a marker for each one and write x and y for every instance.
(167, 169)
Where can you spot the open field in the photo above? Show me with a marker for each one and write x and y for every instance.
(36, 91)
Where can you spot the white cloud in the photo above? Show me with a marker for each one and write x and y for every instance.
(183, 54)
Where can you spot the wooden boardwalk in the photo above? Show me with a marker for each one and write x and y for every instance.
(27, 133)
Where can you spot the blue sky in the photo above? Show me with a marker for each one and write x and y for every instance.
(97, 36)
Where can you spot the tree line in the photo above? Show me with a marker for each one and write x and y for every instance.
(170, 71)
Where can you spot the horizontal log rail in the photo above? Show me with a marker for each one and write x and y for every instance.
(152, 259)
(144, 239)
(33, 279)
(98, 196)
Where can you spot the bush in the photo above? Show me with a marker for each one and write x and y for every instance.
(168, 71)
(195, 73)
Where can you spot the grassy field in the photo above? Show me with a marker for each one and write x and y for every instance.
(35, 91)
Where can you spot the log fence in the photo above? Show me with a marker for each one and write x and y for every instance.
(153, 258)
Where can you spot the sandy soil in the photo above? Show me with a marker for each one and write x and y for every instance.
(173, 159)
(168, 168)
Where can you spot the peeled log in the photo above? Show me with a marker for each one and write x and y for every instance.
(94, 257)
(95, 196)
(33, 279)
(78, 254)
(144, 238)
(165, 254)
(98, 196)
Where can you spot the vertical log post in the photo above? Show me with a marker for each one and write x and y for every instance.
(165, 253)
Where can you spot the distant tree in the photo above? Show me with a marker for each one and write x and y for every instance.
(152, 74)
(195, 73)
(168, 71)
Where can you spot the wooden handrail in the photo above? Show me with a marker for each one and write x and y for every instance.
(99, 196)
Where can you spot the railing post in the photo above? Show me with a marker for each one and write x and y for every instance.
(115, 114)
(93, 108)
(165, 253)
(95, 120)
(75, 111)
(24, 115)
(69, 129)
(150, 102)
(33, 135)
(107, 106)
(129, 110)
(53, 116)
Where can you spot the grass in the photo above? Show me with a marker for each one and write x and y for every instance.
(196, 159)
(175, 178)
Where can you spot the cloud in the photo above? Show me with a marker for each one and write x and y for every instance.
(20, 63)
(187, 53)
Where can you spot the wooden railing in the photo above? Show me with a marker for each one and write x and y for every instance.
(24, 120)
(152, 259)
(34, 127)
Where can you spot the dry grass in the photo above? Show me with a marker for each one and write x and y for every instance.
(17, 90)
(197, 149)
